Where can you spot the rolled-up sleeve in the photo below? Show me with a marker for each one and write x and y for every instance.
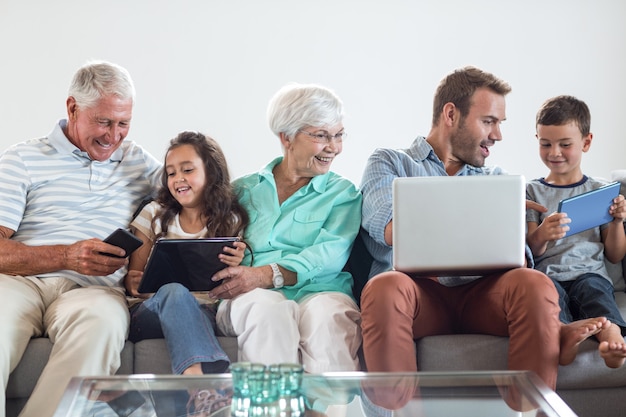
(310, 233)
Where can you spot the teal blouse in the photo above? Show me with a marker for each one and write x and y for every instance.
(310, 233)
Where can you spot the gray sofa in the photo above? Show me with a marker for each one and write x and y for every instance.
(587, 385)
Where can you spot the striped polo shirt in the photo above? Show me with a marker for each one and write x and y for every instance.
(54, 193)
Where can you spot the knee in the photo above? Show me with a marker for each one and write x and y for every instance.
(283, 313)
(532, 283)
(593, 282)
(386, 287)
(331, 309)
(105, 315)
(173, 292)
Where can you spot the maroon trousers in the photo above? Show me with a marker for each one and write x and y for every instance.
(520, 303)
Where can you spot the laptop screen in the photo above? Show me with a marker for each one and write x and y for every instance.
(459, 225)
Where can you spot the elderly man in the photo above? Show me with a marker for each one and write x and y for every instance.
(61, 195)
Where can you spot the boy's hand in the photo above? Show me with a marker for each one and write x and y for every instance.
(553, 227)
(233, 256)
(618, 209)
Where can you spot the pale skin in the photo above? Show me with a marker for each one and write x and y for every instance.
(186, 181)
(303, 159)
(561, 148)
(458, 142)
(99, 131)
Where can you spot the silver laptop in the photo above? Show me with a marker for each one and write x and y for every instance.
(460, 225)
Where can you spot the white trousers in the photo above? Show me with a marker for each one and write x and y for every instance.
(322, 331)
(88, 326)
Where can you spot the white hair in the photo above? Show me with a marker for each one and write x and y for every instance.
(96, 79)
(296, 106)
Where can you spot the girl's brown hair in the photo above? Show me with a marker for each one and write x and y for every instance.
(225, 216)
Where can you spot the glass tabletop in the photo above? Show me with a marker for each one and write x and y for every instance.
(344, 394)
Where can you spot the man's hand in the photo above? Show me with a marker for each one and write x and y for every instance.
(533, 205)
(86, 257)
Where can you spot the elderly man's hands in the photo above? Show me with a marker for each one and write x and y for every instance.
(87, 257)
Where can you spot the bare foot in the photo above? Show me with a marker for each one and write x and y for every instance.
(612, 346)
(573, 334)
(194, 369)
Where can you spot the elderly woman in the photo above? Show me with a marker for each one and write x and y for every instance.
(294, 303)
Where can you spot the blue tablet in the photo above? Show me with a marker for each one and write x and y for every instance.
(590, 209)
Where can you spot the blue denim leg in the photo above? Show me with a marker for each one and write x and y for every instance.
(187, 327)
(565, 315)
(592, 295)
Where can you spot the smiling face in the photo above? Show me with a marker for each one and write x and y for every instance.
(306, 158)
(561, 148)
(99, 130)
(479, 129)
(186, 177)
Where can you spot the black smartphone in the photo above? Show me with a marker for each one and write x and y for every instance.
(126, 404)
(124, 239)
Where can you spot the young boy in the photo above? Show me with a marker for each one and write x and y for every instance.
(575, 263)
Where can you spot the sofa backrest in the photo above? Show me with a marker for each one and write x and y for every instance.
(359, 264)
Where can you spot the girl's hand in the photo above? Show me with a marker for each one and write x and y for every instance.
(131, 282)
(233, 256)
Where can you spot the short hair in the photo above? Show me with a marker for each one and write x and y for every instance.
(559, 110)
(459, 86)
(97, 79)
(296, 106)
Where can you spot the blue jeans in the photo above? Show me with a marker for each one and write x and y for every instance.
(589, 295)
(174, 314)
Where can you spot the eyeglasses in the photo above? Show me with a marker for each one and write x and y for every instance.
(325, 138)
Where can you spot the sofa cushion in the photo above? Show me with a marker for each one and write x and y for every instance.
(462, 352)
(152, 357)
(472, 352)
(619, 281)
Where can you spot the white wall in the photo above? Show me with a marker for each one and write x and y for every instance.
(212, 66)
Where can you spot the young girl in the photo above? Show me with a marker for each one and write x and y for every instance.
(195, 200)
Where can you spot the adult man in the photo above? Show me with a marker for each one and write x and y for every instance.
(61, 194)
(469, 106)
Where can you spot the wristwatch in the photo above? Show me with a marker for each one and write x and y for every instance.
(278, 278)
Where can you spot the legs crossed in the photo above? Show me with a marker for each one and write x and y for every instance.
(521, 303)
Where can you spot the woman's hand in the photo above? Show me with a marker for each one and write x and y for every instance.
(233, 256)
(241, 279)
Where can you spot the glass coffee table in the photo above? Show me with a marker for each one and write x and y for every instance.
(345, 394)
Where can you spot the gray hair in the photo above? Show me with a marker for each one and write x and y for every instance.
(296, 106)
(97, 79)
